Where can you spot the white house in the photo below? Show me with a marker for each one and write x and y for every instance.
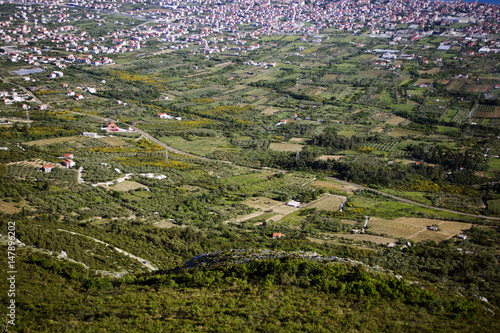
(164, 115)
(293, 203)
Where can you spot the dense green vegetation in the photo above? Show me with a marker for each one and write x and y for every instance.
(262, 127)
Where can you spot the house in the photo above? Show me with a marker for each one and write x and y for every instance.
(293, 203)
(164, 115)
(462, 236)
(433, 228)
(78, 97)
(68, 156)
(278, 235)
(68, 163)
(112, 127)
(47, 167)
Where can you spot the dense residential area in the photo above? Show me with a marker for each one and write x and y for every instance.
(250, 166)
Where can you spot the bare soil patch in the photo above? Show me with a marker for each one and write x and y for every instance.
(328, 202)
(8, 207)
(344, 188)
(261, 203)
(270, 111)
(164, 224)
(331, 76)
(36, 163)
(479, 88)
(370, 238)
(285, 147)
(378, 129)
(403, 132)
(381, 116)
(330, 157)
(224, 64)
(46, 142)
(128, 185)
(114, 141)
(431, 71)
(416, 228)
(297, 140)
(395, 120)
(483, 114)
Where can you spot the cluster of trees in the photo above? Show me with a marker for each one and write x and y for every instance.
(270, 295)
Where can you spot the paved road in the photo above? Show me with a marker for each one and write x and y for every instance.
(26, 91)
(177, 151)
(410, 201)
(331, 178)
(142, 261)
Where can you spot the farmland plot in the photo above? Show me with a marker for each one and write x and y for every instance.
(416, 228)
(328, 202)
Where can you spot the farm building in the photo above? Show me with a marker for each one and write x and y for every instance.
(293, 203)
(89, 134)
(278, 235)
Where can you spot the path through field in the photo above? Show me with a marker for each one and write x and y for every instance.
(142, 261)
(331, 178)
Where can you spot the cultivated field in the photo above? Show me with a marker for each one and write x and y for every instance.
(416, 228)
(36, 163)
(397, 132)
(395, 121)
(330, 157)
(365, 237)
(127, 185)
(46, 142)
(113, 141)
(329, 185)
(328, 202)
(270, 110)
(8, 207)
(164, 224)
(285, 147)
(261, 203)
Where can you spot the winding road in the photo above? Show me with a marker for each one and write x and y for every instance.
(330, 178)
(410, 201)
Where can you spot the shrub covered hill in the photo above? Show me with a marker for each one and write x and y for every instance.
(240, 291)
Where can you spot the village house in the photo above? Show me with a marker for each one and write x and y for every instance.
(68, 163)
(164, 115)
(112, 127)
(278, 235)
(47, 168)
